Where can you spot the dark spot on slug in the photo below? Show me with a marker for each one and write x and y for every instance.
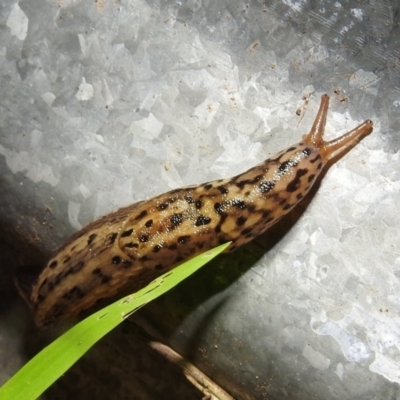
(208, 186)
(173, 246)
(141, 215)
(163, 206)
(319, 165)
(91, 238)
(301, 172)
(202, 220)
(266, 186)
(221, 222)
(283, 166)
(198, 204)
(222, 219)
(179, 259)
(318, 157)
(241, 184)
(99, 300)
(72, 270)
(239, 204)
(159, 267)
(116, 260)
(157, 248)
(251, 208)
(149, 223)
(66, 259)
(183, 239)
(223, 189)
(102, 250)
(266, 213)
(286, 207)
(52, 284)
(56, 312)
(176, 219)
(189, 199)
(75, 293)
(295, 183)
(275, 197)
(127, 233)
(311, 178)
(307, 151)
(299, 196)
(112, 237)
(291, 149)
(53, 264)
(218, 208)
(127, 263)
(246, 231)
(240, 221)
(143, 238)
(104, 278)
(77, 267)
(131, 245)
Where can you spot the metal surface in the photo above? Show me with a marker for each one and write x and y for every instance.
(107, 103)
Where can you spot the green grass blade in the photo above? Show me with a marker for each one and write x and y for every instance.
(47, 366)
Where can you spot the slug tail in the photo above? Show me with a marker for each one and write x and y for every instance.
(24, 281)
(339, 145)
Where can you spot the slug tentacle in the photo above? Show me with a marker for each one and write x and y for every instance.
(130, 247)
(329, 149)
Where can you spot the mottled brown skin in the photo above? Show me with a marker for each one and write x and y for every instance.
(130, 247)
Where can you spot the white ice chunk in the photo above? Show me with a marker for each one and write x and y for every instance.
(171, 176)
(85, 91)
(315, 358)
(205, 112)
(73, 212)
(85, 191)
(339, 370)
(18, 22)
(237, 156)
(151, 125)
(357, 13)
(386, 367)
(35, 138)
(353, 348)
(49, 98)
(366, 80)
(30, 163)
(295, 5)
(108, 97)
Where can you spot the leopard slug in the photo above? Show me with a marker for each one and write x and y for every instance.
(128, 248)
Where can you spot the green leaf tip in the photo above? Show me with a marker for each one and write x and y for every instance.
(47, 366)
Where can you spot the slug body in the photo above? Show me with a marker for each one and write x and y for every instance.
(130, 247)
